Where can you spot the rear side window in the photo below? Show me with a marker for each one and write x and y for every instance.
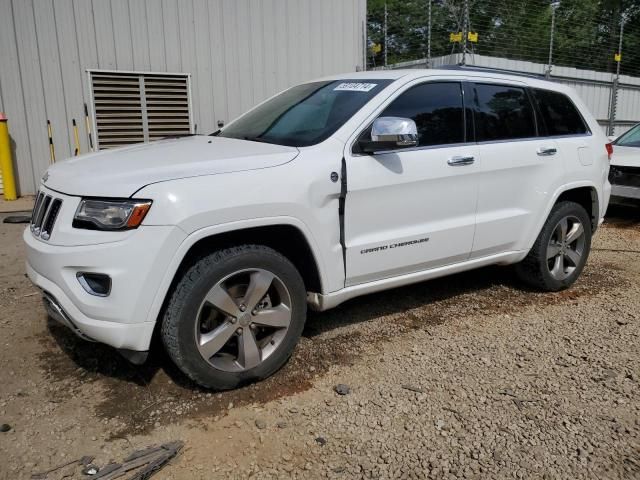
(503, 113)
(559, 114)
(437, 110)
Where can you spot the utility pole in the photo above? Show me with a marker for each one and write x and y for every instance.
(429, 38)
(554, 6)
(465, 32)
(364, 45)
(385, 34)
(614, 89)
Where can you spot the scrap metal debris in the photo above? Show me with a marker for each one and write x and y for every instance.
(149, 460)
(17, 219)
(143, 463)
(83, 462)
(90, 470)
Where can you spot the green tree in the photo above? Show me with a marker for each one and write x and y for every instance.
(586, 31)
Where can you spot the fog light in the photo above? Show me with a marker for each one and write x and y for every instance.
(97, 284)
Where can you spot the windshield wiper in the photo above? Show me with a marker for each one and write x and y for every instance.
(180, 135)
(256, 139)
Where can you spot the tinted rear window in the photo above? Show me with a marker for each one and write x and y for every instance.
(503, 113)
(559, 114)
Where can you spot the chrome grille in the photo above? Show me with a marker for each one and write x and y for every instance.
(44, 214)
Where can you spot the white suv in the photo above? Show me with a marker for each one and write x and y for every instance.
(332, 189)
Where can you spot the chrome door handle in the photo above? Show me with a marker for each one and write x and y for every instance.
(458, 161)
(546, 151)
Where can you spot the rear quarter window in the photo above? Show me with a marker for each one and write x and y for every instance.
(559, 115)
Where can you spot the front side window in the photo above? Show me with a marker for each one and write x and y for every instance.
(630, 138)
(436, 108)
(559, 114)
(502, 113)
(305, 114)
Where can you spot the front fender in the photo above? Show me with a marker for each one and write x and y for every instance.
(210, 231)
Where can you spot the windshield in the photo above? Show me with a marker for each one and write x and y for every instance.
(306, 114)
(630, 138)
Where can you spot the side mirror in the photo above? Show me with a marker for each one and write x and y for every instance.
(390, 133)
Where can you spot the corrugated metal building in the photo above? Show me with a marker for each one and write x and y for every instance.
(224, 56)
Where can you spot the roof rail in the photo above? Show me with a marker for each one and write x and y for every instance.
(478, 68)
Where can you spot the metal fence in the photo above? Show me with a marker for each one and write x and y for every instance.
(588, 44)
(597, 89)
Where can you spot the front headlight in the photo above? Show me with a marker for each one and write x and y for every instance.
(110, 214)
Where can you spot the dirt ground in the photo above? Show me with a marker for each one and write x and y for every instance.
(471, 376)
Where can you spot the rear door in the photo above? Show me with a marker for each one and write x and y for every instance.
(520, 168)
(413, 209)
(561, 121)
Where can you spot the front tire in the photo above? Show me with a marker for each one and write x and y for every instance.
(561, 250)
(235, 317)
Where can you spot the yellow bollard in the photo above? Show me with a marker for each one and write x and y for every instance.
(6, 164)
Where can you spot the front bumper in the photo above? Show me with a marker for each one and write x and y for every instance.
(136, 264)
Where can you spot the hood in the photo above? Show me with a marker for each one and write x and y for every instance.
(122, 171)
(625, 156)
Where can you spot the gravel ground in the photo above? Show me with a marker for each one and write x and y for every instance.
(471, 376)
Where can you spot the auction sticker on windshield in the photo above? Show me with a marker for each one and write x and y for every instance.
(356, 87)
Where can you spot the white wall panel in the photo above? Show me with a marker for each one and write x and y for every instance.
(218, 66)
(123, 42)
(258, 47)
(155, 30)
(171, 34)
(33, 91)
(71, 74)
(238, 52)
(12, 101)
(139, 35)
(105, 41)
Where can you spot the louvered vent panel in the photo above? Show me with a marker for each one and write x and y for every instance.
(118, 109)
(167, 106)
(132, 108)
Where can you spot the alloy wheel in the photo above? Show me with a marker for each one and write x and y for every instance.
(243, 319)
(566, 247)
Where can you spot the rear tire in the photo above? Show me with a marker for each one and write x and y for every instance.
(561, 250)
(217, 340)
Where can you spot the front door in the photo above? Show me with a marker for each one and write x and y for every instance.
(412, 210)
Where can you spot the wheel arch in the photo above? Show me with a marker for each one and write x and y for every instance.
(587, 196)
(583, 193)
(287, 236)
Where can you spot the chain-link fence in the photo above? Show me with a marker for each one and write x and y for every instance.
(591, 35)
(573, 33)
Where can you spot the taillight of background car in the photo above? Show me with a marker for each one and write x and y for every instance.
(609, 147)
